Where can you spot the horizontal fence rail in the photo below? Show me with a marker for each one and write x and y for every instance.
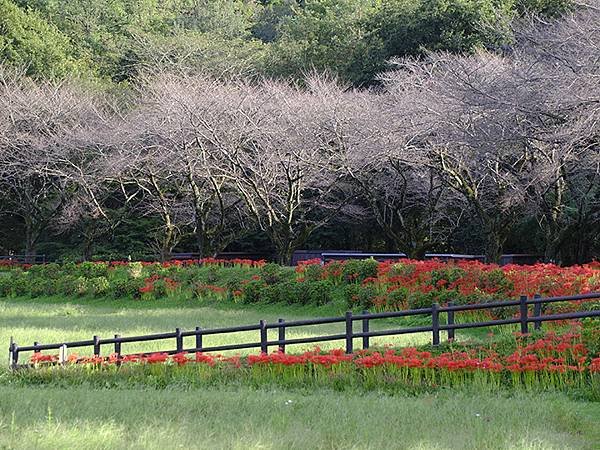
(364, 318)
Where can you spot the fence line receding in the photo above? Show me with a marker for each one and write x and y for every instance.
(365, 317)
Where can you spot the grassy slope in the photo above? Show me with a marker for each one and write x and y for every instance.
(239, 417)
(55, 320)
(53, 418)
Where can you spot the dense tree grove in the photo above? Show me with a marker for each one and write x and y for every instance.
(481, 135)
(113, 40)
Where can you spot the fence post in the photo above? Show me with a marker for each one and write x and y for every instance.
(13, 353)
(281, 334)
(96, 340)
(118, 346)
(435, 323)
(179, 340)
(349, 332)
(537, 312)
(198, 339)
(365, 329)
(450, 322)
(62, 354)
(523, 314)
(263, 337)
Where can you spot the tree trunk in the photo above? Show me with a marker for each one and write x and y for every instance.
(493, 249)
(30, 241)
(167, 244)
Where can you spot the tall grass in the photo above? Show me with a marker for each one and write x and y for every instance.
(242, 418)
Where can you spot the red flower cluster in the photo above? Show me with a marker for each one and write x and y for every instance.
(463, 281)
(150, 284)
(551, 354)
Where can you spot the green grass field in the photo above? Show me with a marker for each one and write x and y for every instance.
(55, 417)
(54, 320)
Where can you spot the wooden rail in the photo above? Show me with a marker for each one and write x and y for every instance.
(365, 318)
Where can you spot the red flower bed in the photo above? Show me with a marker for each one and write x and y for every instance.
(551, 361)
(402, 284)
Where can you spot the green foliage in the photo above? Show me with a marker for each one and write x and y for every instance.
(313, 272)
(273, 273)
(418, 300)
(5, 285)
(126, 287)
(550, 8)
(114, 39)
(398, 298)
(27, 40)
(356, 270)
(360, 296)
(92, 269)
(318, 292)
(99, 286)
(327, 35)
(409, 27)
(291, 292)
(253, 291)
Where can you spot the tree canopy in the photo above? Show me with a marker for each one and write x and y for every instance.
(113, 40)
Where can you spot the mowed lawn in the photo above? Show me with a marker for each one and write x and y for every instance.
(52, 320)
(55, 417)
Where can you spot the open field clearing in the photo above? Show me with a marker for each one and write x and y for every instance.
(56, 319)
(58, 418)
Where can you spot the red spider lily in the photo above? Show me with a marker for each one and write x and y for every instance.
(40, 358)
(180, 359)
(155, 358)
(204, 358)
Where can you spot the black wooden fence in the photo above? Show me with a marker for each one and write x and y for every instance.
(450, 326)
(24, 259)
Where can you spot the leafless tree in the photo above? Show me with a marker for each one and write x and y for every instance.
(560, 62)
(386, 164)
(35, 120)
(285, 163)
(170, 151)
(473, 142)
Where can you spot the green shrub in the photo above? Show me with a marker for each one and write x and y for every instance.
(271, 294)
(211, 274)
(50, 270)
(252, 291)
(360, 296)
(39, 287)
(5, 284)
(495, 278)
(418, 300)
(66, 285)
(291, 292)
(313, 272)
(99, 286)
(135, 269)
(398, 298)
(69, 268)
(20, 284)
(92, 269)
(160, 288)
(357, 270)
(81, 286)
(271, 273)
(318, 292)
(126, 287)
